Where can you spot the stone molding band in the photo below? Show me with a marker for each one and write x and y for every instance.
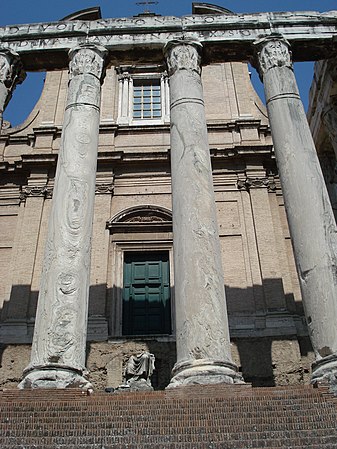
(181, 366)
(187, 101)
(72, 105)
(203, 371)
(283, 96)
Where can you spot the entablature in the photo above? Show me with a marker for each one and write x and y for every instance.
(225, 37)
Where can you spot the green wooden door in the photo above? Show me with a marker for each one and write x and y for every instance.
(146, 294)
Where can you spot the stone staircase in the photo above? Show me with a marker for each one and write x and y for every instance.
(208, 417)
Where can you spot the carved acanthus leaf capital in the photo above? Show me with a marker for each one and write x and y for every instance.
(11, 70)
(183, 55)
(272, 51)
(88, 59)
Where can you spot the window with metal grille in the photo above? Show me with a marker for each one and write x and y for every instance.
(147, 101)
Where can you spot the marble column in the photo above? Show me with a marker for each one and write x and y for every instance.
(310, 216)
(11, 74)
(203, 345)
(58, 350)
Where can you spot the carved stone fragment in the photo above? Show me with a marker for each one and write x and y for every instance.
(106, 188)
(138, 372)
(256, 183)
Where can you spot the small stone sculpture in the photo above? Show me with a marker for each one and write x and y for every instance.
(138, 372)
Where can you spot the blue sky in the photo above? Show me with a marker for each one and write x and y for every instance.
(23, 11)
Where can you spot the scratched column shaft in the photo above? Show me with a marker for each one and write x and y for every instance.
(311, 220)
(203, 346)
(58, 351)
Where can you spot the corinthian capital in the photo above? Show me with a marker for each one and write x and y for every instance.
(272, 51)
(183, 55)
(87, 59)
(11, 71)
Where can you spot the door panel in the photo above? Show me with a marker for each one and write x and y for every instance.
(146, 294)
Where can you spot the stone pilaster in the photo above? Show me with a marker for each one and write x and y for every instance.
(310, 216)
(203, 345)
(58, 351)
(11, 74)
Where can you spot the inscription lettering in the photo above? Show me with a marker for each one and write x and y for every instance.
(65, 35)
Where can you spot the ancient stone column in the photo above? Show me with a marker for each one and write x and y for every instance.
(310, 216)
(58, 351)
(11, 74)
(203, 345)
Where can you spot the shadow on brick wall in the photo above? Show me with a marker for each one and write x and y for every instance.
(255, 355)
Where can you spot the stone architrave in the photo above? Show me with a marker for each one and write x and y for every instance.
(310, 216)
(11, 74)
(58, 350)
(203, 344)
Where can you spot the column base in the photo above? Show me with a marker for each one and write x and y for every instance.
(325, 371)
(204, 372)
(54, 377)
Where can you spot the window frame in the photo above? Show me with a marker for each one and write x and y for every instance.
(128, 78)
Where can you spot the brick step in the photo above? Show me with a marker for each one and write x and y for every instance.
(221, 419)
(130, 414)
(140, 430)
(120, 421)
(118, 401)
(177, 446)
(151, 420)
(201, 445)
(247, 441)
(125, 417)
(190, 434)
(239, 403)
(156, 396)
(207, 392)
